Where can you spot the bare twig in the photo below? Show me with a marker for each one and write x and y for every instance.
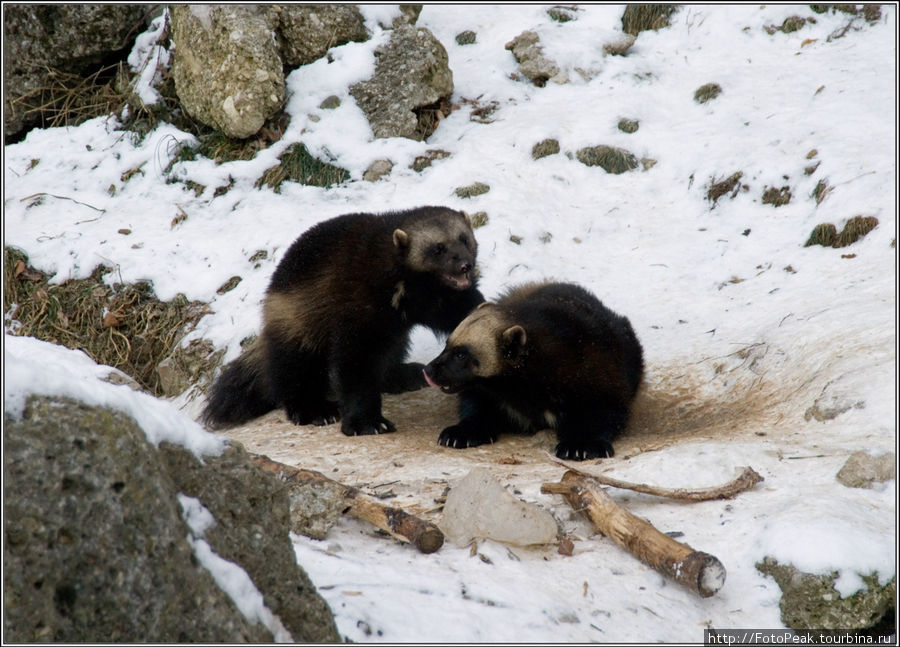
(62, 197)
(747, 478)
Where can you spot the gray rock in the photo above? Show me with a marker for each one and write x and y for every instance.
(412, 77)
(187, 365)
(424, 161)
(226, 66)
(811, 602)
(533, 64)
(544, 148)
(70, 38)
(609, 158)
(863, 470)
(307, 31)
(253, 521)
(377, 170)
(629, 125)
(466, 37)
(619, 45)
(96, 548)
(95, 544)
(470, 191)
(330, 102)
(409, 14)
(478, 507)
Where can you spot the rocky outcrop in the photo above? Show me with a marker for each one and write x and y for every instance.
(96, 548)
(229, 60)
(863, 470)
(609, 158)
(811, 601)
(533, 65)
(411, 82)
(306, 32)
(42, 40)
(227, 67)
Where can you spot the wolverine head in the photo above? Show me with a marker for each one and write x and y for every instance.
(441, 244)
(484, 345)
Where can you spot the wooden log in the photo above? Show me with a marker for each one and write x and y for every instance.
(700, 572)
(401, 525)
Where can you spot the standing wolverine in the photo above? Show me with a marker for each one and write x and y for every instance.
(338, 313)
(544, 355)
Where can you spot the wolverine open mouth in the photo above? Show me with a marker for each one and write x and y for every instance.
(457, 281)
(432, 383)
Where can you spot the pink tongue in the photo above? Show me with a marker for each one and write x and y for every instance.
(429, 380)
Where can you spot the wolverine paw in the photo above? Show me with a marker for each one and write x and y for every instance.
(462, 436)
(329, 415)
(325, 414)
(584, 451)
(367, 428)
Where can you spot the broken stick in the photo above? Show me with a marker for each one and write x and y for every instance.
(398, 524)
(745, 480)
(700, 572)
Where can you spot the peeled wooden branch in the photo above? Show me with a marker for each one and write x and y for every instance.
(700, 572)
(743, 481)
(399, 524)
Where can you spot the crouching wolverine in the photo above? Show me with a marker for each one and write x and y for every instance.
(338, 313)
(545, 355)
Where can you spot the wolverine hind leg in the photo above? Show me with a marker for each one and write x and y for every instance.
(299, 380)
(586, 431)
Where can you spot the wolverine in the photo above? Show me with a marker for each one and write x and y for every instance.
(547, 355)
(338, 313)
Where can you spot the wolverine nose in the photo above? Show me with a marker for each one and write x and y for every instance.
(465, 268)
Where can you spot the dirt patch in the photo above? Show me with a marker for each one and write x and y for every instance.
(718, 398)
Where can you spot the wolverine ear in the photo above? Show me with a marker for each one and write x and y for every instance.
(401, 238)
(483, 304)
(467, 217)
(513, 340)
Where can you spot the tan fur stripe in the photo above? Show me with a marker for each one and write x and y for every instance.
(296, 316)
(480, 333)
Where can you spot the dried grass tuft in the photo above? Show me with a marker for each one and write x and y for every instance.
(123, 325)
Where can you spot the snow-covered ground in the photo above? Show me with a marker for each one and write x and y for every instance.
(744, 329)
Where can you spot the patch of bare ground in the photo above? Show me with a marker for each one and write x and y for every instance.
(727, 397)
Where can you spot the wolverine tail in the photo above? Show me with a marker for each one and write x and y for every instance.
(241, 392)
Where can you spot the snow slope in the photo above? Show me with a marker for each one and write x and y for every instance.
(744, 329)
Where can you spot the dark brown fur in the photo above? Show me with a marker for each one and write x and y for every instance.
(337, 316)
(545, 355)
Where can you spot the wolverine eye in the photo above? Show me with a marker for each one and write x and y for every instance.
(437, 250)
(464, 239)
(461, 355)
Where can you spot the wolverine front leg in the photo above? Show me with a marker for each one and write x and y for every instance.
(480, 422)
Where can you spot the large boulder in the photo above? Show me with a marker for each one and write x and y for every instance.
(96, 547)
(811, 601)
(306, 32)
(227, 66)
(411, 81)
(42, 41)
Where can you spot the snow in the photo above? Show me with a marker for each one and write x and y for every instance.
(230, 577)
(75, 375)
(744, 329)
